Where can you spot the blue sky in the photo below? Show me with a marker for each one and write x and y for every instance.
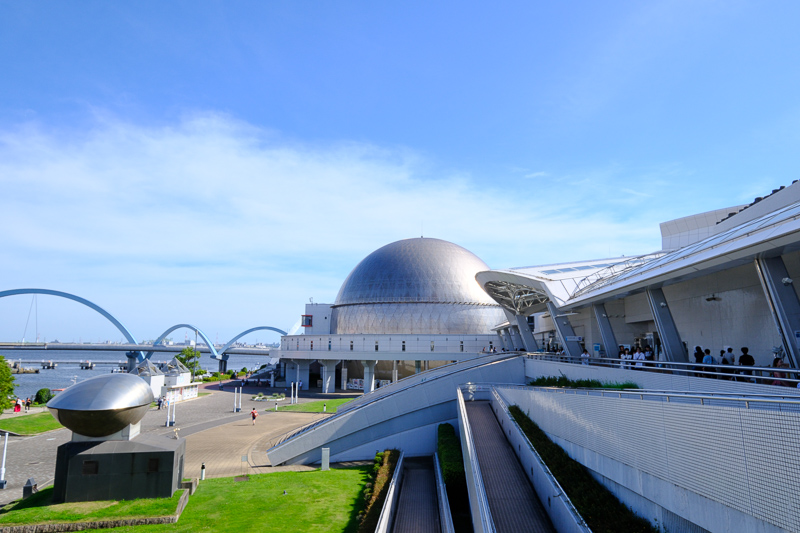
(220, 163)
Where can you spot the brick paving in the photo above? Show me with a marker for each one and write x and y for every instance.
(214, 433)
(512, 501)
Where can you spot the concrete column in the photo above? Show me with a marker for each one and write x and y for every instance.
(528, 341)
(302, 372)
(564, 330)
(667, 330)
(369, 375)
(344, 375)
(502, 339)
(133, 358)
(223, 366)
(516, 338)
(328, 375)
(394, 371)
(783, 302)
(606, 332)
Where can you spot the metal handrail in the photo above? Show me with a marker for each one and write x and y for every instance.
(422, 377)
(445, 517)
(734, 370)
(372, 399)
(641, 393)
(486, 521)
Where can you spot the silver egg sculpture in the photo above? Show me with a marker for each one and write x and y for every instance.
(102, 405)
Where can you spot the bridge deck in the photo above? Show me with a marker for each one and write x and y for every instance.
(418, 506)
(512, 501)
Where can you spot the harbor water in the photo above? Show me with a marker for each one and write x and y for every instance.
(64, 374)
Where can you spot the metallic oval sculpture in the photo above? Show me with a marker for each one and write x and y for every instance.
(102, 405)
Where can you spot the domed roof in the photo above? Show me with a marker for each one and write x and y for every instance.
(424, 286)
(416, 270)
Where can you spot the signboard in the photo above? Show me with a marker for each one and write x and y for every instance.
(573, 338)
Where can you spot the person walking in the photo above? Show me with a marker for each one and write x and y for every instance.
(254, 415)
(28, 404)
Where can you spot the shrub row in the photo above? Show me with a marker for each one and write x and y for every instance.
(563, 381)
(375, 491)
(448, 446)
(450, 459)
(601, 509)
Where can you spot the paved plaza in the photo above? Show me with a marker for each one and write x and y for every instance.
(226, 441)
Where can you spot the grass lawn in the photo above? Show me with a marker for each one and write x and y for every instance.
(37, 509)
(30, 424)
(315, 407)
(315, 501)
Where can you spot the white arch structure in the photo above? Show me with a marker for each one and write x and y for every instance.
(128, 336)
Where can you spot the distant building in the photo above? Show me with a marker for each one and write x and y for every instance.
(405, 305)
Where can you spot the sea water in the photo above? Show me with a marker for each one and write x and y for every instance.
(64, 374)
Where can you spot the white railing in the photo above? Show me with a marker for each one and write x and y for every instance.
(445, 518)
(482, 521)
(740, 373)
(390, 503)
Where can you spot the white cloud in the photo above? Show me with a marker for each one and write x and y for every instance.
(215, 221)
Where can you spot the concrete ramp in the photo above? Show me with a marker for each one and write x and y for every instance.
(404, 415)
(418, 507)
(512, 501)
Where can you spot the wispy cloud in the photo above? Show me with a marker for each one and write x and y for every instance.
(213, 220)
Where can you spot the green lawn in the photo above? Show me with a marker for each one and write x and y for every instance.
(314, 502)
(30, 424)
(37, 509)
(315, 407)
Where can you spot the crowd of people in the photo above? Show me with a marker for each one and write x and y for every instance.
(728, 358)
(727, 365)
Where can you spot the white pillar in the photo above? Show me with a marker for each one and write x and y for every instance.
(394, 371)
(369, 375)
(328, 375)
(344, 375)
(302, 372)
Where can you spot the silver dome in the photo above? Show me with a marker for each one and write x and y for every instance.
(102, 405)
(424, 286)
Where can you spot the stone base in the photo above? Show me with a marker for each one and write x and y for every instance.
(145, 467)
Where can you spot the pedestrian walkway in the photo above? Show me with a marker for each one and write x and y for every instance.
(512, 501)
(215, 435)
(418, 504)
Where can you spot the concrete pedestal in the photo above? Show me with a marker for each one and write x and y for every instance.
(147, 466)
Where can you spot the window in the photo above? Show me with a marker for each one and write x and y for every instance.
(351, 346)
(403, 347)
(312, 345)
(461, 346)
(306, 320)
(376, 346)
(431, 345)
(329, 345)
(90, 468)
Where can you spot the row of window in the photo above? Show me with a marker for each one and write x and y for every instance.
(402, 346)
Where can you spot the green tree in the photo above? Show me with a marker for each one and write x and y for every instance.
(191, 360)
(6, 384)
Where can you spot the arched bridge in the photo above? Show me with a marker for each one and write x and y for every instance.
(220, 355)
